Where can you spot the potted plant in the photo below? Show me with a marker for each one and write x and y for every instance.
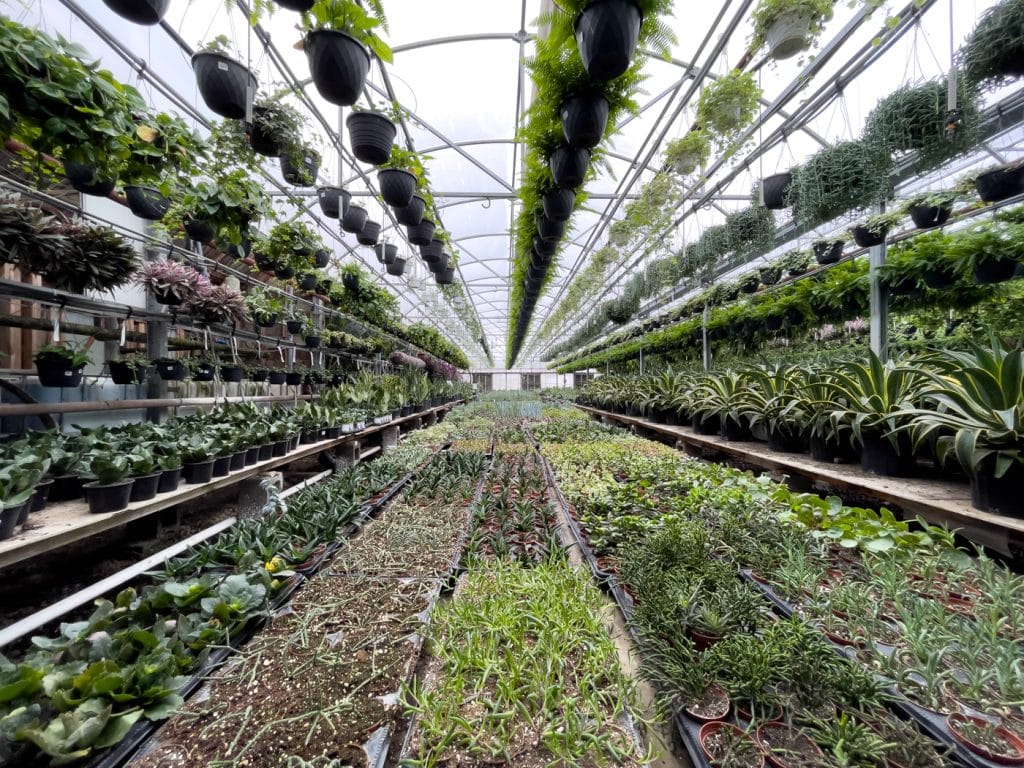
(338, 36)
(398, 176)
(372, 136)
(224, 83)
(201, 368)
(170, 282)
(354, 219)
(369, 233)
(148, 12)
(169, 461)
(171, 369)
(796, 262)
(19, 476)
(197, 455)
(333, 201)
(774, 190)
(992, 54)
(164, 154)
(930, 209)
(218, 304)
(422, 233)
(412, 214)
(312, 334)
(80, 257)
(990, 250)
(1000, 182)
(724, 743)
(130, 368)
(750, 282)
(295, 325)
(771, 274)
(61, 365)
(688, 153)
(301, 169)
(787, 27)
(226, 204)
(607, 33)
(829, 250)
(145, 473)
(233, 373)
(988, 738)
(728, 104)
(111, 486)
(873, 230)
(569, 166)
(265, 306)
(558, 203)
(584, 118)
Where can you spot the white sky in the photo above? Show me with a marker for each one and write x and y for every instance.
(466, 92)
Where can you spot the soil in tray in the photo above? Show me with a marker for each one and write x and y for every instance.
(315, 685)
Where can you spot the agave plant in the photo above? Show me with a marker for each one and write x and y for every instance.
(775, 399)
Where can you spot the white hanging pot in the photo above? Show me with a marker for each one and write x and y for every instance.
(684, 165)
(788, 35)
(618, 237)
(728, 113)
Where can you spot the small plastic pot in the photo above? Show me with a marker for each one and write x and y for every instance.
(266, 452)
(108, 498)
(40, 496)
(197, 472)
(221, 466)
(252, 455)
(237, 460)
(145, 487)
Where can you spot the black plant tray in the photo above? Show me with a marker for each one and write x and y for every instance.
(930, 723)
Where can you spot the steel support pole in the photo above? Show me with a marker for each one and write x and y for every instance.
(879, 301)
(706, 351)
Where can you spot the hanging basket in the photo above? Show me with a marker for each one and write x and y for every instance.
(284, 272)
(56, 371)
(445, 276)
(788, 35)
(546, 248)
(828, 252)
(991, 271)
(774, 190)
(396, 186)
(123, 373)
(930, 216)
(439, 264)
(386, 252)
(432, 251)
(148, 12)
(584, 119)
(412, 214)
(232, 373)
(265, 321)
(305, 175)
(354, 219)
(198, 230)
(371, 135)
(369, 234)
(262, 141)
(338, 64)
(867, 238)
(84, 179)
(321, 258)
(396, 267)
(223, 83)
(306, 282)
(147, 203)
(170, 370)
(333, 201)
(299, 6)
(607, 32)
(1000, 183)
(569, 166)
(422, 233)
(558, 204)
(549, 229)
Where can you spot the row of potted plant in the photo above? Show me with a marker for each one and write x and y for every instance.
(129, 659)
(960, 409)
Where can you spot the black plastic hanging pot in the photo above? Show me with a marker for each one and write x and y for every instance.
(265, 321)
(333, 201)
(122, 372)
(445, 276)
(386, 252)
(774, 190)
(304, 175)
(396, 186)
(204, 372)
(543, 247)
(371, 135)
(338, 64)
(321, 258)
(277, 377)
(198, 230)
(867, 238)
(147, 12)
(313, 342)
(262, 141)
(584, 119)
(83, 178)
(369, 234)
(534, 275)
(170, 370)
(306, 282)
(829, 252)
(438, 264)
(259, 374)
(930, 216)
(223, 83)
(56, 371)
(432, 251)
(147, 203)
(558, 204)
(284, 272)
(293, 378)
(396, 267)
(540, 262)
(422, 233)
(937, 278)
(1000, 183)
(354, 219)
(549, 229)
(992, 271)
(294, 326)
(264, 262)
(607, 32)
(412, 214)
(569, 166)
(232, 373)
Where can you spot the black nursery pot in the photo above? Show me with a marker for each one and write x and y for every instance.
(293, 378)
(204, 372)
(66, 488)
(237, 461)
(607, 32)
(879, 457)
(294, 326)
(232, 373)
(126, 373)
(396, 186)
(148, 12)
(866, 238)
(829, 450)
(198, 230)
(706, 425)
(999, 495)
(930, 216)
(371, 135)
(277, 377)
(994, 271)
(9, 521)
(321, 258)
(1000, 183)
(446, 276)
(785, 443)
(828, 253)
(354, 219)
(412, 214)
(369, 233)
(145, 488)
(259, 374)
(83, 179)
(40, 496)
(223, 83)
(736, 430)
(558, 204)
(333, 201)
(339, 64)
(304, 176)
(422, 233)
(56, 371)
(432, 251)
(262, 141)
(252, 455)
(306, 282)
(774, 189)
(222, 465)
(938, 279)
(265, 321)
(549, 229)
(584, 119)
(386, 252)
(545, 248)
(108, 498)
(569, 166)
(147, 203)
(297, 5)
(312, 342)
(284, 272)
(197, 472)
(396, 267)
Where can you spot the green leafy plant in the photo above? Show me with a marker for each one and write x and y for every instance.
(353, 19)
(767, 12)
(992, 53)
(108, 467)
(76, 355)
(688, 153)
(727, 105)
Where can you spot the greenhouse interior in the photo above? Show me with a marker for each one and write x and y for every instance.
(524, 383)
